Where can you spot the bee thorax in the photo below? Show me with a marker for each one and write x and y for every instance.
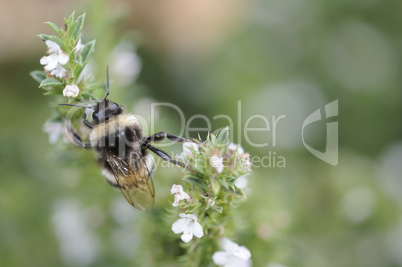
(120, 136)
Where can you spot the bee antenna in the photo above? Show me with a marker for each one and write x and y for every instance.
(107, 82)
(72, 105)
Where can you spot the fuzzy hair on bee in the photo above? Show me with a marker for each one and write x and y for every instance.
(123, 151)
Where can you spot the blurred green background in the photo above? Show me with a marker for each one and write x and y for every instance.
(278, 57)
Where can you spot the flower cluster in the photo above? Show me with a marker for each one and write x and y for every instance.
(56, 59)
(215, 176)
(66, 59)
(63, 68)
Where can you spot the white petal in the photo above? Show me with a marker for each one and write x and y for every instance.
(234, 261)
(188, 148)
(187, 236)
(234, 249)
(184, 195)
(197, 230)
(44, 60)
(178, 226)
(176, 189)
(62, 73)
(53, 46)
(51, 62)
(53, 138)
(236, 147)
(59, 71)
(55, 72)
(232, 146)
(219, 169)
(71, 90)
(63, 58)
(220, 257)
(227, 244)
(183, 215)
(55, 130)
(191, 217)
(176, 201)
(217, 163)
(242, 182)
(242, 252)
(78, 47)
(179, 196)
(240, 150)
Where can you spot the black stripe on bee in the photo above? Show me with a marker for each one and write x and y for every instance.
(120, 143)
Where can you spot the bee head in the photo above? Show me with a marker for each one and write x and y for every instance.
(105, 110)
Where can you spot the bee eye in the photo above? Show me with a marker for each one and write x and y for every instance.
(113, 108)
(95, 116)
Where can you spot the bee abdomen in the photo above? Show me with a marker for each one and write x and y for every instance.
(106, 172)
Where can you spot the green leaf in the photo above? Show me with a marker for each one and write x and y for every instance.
(51, 82)
(38, 75)
(78, 61)
(71, 29)
(44, 37)
(78, 27)
(193, 179)
(217, 208)
(223, 137)
(216, 186)
(54, 91)
(88, 49)
(224, 183)
(70, 19)
(54, 27)
(236, 191)
(51, 92)
(80, 67)
(53, 38)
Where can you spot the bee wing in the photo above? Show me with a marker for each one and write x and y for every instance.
(135, 182)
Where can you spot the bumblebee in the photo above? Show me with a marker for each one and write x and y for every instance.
(122, 150)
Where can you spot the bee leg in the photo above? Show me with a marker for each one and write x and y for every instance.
(162, 135)
(77, 139)
(166, 157)
(86, 122)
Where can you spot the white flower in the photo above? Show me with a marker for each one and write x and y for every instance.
(234, 255)
(126, 64)
(59, 71)
(179, 194)
(71, 90)
(189, 226)
(217, 163)
(56, 56)
(234, 147)
(188, 148)
(78, 48)
(241, 182)
(54, 129)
